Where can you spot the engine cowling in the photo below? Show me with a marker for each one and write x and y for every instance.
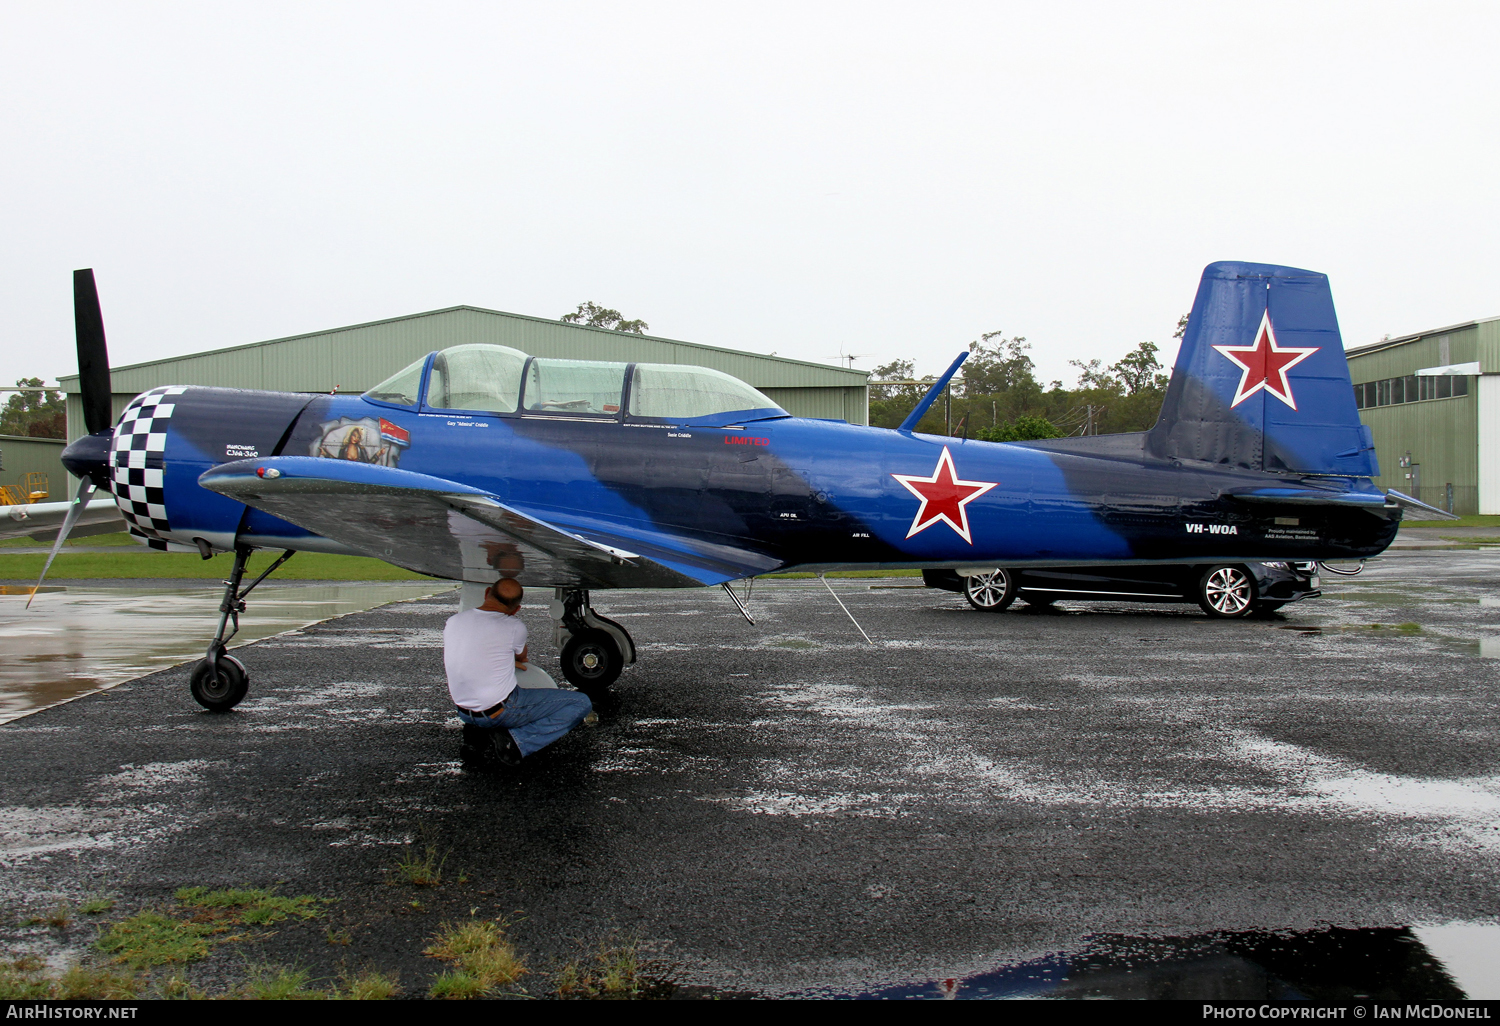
(168, 437)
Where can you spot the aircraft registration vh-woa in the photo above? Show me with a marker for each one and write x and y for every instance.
(480, 461)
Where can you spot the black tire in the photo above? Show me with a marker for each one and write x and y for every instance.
(1268, 606)
(592, 661)
(1226, 591)
(223, 691)
(1040, 601)
(992, 592)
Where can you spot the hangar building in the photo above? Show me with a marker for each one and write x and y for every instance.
(1432, 401)
(358, 357)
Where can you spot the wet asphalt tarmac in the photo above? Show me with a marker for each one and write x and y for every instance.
(787, 809)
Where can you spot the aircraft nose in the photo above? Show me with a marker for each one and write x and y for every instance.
(89, 457)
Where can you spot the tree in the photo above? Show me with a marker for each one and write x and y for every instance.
(999, 367)
(1021, 429)
(34, 414)
(889, 404)
(593, 316)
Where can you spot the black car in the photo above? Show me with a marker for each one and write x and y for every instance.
(1223, 589)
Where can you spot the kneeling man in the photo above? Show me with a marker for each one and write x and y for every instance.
(482, 649)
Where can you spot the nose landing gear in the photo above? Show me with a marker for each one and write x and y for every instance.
(594, 648)
(219, 681)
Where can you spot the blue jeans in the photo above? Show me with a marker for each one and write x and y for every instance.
(536, 717)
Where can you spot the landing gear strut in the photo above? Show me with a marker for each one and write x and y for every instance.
(594, 648)
(220, 681)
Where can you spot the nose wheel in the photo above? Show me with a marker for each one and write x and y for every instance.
(221, 686)
(219, 682)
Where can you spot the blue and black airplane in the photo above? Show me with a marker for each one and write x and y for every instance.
(480, 461)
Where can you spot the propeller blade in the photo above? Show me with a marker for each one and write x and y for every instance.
(93, 357)
(85, 492)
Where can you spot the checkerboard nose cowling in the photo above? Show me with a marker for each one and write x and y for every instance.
(136, 461)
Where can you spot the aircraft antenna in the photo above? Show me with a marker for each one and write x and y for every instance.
(844, 607)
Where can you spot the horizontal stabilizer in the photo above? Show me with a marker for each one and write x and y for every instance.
(1415, 509)
(446, 529)
(1311, 496)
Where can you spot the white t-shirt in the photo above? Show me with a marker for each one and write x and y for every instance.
(479, 653)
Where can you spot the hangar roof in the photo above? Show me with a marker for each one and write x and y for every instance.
(1387, 343)
(360, 356)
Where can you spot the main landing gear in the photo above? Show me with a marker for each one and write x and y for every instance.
(594, 648)
(220, 681)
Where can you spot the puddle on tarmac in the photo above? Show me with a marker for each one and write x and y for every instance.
(77, 640)
(1438, 963)
(1485, 648)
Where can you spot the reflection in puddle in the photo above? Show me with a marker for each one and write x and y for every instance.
(77, 640)
(1444, 963)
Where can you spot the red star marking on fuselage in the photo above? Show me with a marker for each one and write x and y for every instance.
(944, 497)
(1264, 364)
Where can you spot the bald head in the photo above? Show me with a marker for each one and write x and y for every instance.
(507, 592)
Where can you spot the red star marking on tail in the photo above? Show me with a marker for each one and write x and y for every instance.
(1264, 365)
(944, 497)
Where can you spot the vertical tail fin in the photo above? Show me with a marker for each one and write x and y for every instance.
(1261, 380)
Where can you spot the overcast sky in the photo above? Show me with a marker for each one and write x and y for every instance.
(889, 180)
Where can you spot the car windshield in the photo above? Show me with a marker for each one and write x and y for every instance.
(478, 377)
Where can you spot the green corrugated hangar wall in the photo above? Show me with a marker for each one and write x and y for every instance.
(359, 357)
(1453, 439)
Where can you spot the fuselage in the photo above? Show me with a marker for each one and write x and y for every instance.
(798, 493)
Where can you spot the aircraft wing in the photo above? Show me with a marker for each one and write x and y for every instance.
(41, 520)
(446, 529)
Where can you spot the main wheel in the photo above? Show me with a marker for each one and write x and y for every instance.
(1226, 591)
(222, 691)
(592, 661)
(990, 592)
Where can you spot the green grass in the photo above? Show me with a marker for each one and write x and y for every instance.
(304, 566)
(119, 538)
(150, 938)
(24, 979)
(1470, 521)
(482, 957)
(421, 870)
(280, 985)
(76, 562)
(836, 574)
(615, 971)
(254, 906)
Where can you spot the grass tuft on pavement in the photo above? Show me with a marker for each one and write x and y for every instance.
(482, 957)
(253, 906)
(614, 971)
(150, 938)
(421, 870)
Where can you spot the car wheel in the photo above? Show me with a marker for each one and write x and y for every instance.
(1226, 591)
(990, 592)
(1040, 601)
